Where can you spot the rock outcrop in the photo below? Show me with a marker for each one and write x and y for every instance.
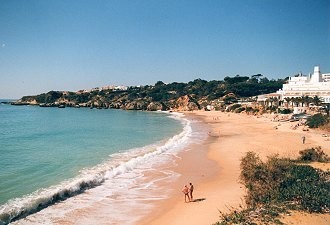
(186, 103)
(183, 103)
(155, 106)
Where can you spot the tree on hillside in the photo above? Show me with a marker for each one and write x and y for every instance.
(264, 80)
(236, 79)
(159, 83)
(49, 97)
(258, 76)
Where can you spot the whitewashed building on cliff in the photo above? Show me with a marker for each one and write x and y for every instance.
(315, 84)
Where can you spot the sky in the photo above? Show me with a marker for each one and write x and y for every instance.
(81, 44)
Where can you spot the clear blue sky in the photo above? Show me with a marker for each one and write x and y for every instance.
(78, 44)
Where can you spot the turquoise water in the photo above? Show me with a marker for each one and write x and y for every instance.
(42, 147)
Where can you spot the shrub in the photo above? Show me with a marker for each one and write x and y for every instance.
(233, 107)
(239, 110)
(316, 121)
(275, 186)
(272, 108)
(262, 180)
(285, 111)
(307, 187)
(313, 155)
(235, 217)
(264, 215)
(249, 109)
(279, 180)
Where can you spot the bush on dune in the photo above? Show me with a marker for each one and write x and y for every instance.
(317, 120)
(313, 155)
(262, 180)
(278, 185)
(307, 188)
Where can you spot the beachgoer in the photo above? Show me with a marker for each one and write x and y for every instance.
(303, 138)
(191, 189)
(185, 191)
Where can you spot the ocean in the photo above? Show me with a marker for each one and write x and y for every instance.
(52, 155)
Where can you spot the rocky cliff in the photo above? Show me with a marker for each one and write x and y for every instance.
(197, 94)
(183, 103)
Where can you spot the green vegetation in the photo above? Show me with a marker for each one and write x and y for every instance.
(247, 216)
(285, 111)
(317, 120)
(313, 155)
(233, 107)
(200, 92)
(233, 94)
(280, 184)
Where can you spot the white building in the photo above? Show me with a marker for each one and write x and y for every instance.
(316, 84)
(326, 77)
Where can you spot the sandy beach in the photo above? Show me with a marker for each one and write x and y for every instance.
(213, 167)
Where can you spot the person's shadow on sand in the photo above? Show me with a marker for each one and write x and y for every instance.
(198, 200)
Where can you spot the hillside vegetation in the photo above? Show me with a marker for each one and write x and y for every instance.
(183, 96)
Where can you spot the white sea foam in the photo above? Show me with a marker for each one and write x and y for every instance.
(118, 183)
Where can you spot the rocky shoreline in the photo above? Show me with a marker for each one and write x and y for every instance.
(194, 95)
(184, 103)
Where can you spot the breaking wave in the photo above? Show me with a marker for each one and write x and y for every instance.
(118, 164)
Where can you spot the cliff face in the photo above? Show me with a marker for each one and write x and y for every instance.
(183, 103)
(186, 103)
(189, 96)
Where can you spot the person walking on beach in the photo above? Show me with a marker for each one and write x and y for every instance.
(191, 189)
(303, 138)
(185, 191)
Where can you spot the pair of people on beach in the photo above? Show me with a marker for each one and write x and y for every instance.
(188, 192)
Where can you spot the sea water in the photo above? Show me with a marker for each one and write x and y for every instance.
(51, 154)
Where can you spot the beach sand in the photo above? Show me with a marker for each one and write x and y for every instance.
(213, 167)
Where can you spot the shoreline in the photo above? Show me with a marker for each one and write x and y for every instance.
(230, 137)
(194, 166)
(132, 192)
(211, 164)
